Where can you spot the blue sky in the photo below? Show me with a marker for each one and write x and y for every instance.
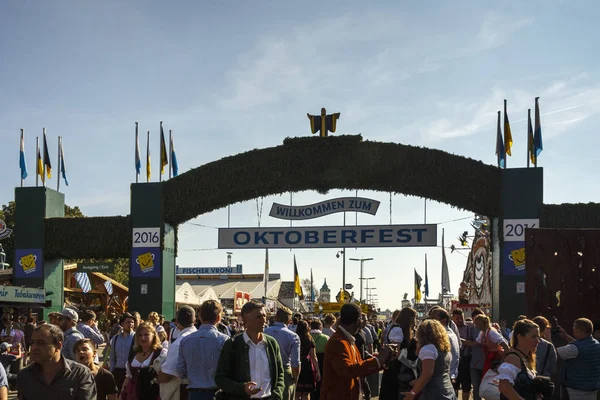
(227, 78)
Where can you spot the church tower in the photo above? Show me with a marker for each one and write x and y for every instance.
(325, 293)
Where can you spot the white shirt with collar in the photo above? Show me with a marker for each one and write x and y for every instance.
(259, 366)
(170, 364)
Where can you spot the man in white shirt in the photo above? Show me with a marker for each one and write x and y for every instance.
(444, 319)
(251, 354)
(169, 379)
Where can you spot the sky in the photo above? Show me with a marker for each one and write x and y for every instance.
(232, 77)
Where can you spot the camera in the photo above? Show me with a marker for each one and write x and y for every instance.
(555, 330)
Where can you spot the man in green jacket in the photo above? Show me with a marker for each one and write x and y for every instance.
(250, 365)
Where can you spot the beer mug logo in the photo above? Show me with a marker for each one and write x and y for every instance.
(517, 256)
(146, 262)
(28, 263)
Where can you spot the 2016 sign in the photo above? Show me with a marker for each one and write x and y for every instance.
(514, 229)
(146, 237)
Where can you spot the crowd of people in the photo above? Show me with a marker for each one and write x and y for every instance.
(203, 355)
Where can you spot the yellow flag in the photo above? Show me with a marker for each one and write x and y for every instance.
(297, 286)
(508, 141)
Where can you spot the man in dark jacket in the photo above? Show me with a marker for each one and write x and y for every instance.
(250, 364)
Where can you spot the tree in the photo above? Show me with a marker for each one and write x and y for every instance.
(306, 286)
(7, 214)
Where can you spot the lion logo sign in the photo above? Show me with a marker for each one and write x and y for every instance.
(28, 263)
(146, 262)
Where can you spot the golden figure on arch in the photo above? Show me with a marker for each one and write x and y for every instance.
(323, 123)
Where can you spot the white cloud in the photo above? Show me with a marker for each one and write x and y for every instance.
(317, 59)
(496, 29)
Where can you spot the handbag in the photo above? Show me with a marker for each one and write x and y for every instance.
(488, 389)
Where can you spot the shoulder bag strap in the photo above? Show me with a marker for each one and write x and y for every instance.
(114, 348)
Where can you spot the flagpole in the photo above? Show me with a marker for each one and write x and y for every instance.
(505, 154)
(44, 161)
(137, 141)
(23, 140)
(147, 154)
(37, 151)
(160, 153)
(537, 114)
(529, 145)
(170, 153)
(59, 166)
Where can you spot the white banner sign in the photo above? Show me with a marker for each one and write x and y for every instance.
(328, 237)
(514, 229)
(343, 204)
(19, 294)
(146, 237)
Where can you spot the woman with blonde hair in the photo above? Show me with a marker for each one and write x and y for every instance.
(154, 319)
(516, 375)
(140, 382)
(493, 343)
(433, 346)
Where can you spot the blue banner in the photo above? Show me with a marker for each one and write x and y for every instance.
(29, 263)
(145, 262)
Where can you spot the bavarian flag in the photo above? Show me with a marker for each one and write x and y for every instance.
(418, 280)
(297, 286)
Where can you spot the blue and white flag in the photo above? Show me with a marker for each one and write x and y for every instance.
(138, 161)
(63, 169)
(22, 157)
(109, 287)
(83, 280)
(174, 165)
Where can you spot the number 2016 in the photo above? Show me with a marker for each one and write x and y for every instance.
(517, 230)
(145, 237)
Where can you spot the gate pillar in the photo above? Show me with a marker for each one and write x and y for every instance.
(522, 195)
(152, 260)
(30, 268)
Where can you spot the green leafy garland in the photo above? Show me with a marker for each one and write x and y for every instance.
(570, 216)
(88, 238)
(334, 162)
(310, 163)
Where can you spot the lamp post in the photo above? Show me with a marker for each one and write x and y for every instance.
(366, 279)
(362, 262)
(370, 293)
